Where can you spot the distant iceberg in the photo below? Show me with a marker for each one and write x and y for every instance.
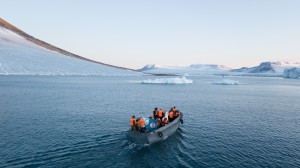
(226, 82)
(177, 80)
(292, 73)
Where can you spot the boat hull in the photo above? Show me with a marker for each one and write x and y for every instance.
(156, 135)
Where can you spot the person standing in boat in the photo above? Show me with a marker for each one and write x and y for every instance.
(142, 125)
(133, 123)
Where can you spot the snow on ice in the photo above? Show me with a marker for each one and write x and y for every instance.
(19, 56)
(176, 80)
(226, 82)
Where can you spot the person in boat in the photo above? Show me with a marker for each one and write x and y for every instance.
(165, 122)
(177, 114)
(142, 125)
(171, 116)
(155, 113)
(161, 114)
(159, 124)
(133, 123)
(137, 124)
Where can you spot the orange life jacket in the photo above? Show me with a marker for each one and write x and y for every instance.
(142, 122)
(160, 113)
(132, 121)
(177, 113)
(171, 114)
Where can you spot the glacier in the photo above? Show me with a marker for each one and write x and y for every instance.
(194, 69)
(269, 69)
(265, 69)
(19, 56)
(22, 54)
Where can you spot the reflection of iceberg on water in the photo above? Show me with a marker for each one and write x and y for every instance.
(177, 80)
(226, 82)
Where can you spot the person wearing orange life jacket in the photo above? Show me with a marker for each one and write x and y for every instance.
(171, 116)
(133, 123)
(160, 114)
(142, 125)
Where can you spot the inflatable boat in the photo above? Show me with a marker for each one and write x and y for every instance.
(156, 135)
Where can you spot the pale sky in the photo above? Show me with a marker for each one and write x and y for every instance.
(133, 33)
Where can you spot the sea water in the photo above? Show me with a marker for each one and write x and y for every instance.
(81, 121)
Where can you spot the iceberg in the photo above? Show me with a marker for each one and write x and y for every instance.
(226, 82)
(293, 73)
(177, 80)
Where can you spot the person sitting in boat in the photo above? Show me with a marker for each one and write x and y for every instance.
(171, 116)
(159, 124)
(161, 114)
(177, 114)
(155, 113)
(133, 123)
(142, 125)
(165, 121)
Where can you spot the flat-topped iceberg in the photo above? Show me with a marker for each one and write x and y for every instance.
(176, 80)
(226, 82)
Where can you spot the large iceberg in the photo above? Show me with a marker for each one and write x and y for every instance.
(292, 73)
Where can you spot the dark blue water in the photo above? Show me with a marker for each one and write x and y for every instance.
(79, 121)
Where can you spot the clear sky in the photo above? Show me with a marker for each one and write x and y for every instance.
(133, 33)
